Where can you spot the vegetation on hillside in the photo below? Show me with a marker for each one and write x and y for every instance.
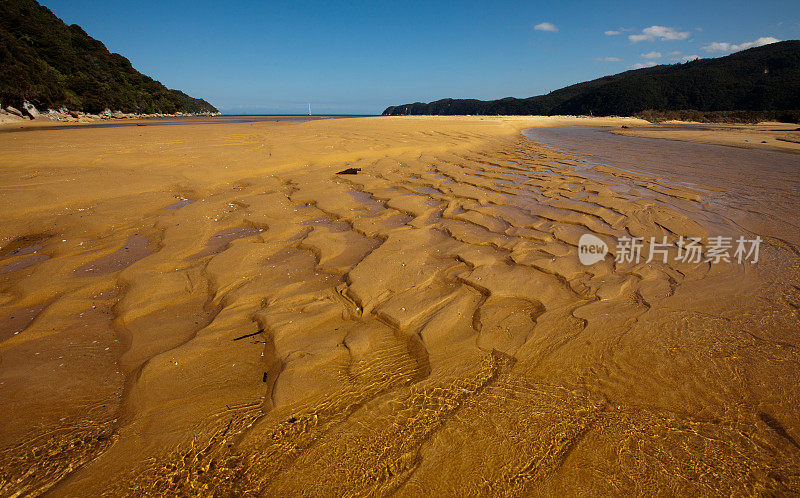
(720, 116)
(50, 64)
(764, 78)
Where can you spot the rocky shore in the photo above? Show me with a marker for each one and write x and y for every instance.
(10, 114)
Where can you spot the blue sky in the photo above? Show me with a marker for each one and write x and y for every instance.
(359, 57)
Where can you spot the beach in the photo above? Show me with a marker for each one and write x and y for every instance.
(225, 308)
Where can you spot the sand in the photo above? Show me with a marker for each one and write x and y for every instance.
(188, 309)
(776, 136)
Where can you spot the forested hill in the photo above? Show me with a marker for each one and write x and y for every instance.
(50, 64)
(762, 78)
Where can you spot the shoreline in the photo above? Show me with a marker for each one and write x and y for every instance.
(783, 137)
(777, 136)
(34, 125)
(45, 120)
(28, 113)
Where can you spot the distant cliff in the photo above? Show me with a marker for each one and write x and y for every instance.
(52, 65)
(765, 78)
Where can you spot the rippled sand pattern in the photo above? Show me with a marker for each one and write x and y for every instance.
(423, 327)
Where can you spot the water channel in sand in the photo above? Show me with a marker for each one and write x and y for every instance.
(758, 182)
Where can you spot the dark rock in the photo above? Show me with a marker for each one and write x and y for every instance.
(349, 171)
(30, 110)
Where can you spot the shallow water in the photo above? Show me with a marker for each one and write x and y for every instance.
(757, 182)
(186, 120)
(181, 203)
(686, 162)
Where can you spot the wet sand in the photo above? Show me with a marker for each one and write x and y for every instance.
(44, 124)
(421, 327)
(784, 137)
(753, 187)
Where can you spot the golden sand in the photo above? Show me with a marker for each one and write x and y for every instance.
(211, 308)
(776, 136)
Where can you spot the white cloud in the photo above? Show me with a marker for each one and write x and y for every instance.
(546, 26)
(640, 65)
(609, 59)
(659, 33)
(675, 53)
(615, 32)
(731, 47)
(718, 47)
(652, 55)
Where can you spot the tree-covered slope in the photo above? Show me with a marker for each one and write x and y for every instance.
(762, 78)
(50, 64)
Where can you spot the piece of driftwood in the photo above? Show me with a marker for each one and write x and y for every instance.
(248, 335)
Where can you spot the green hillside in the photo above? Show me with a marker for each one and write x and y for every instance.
(50, 64)
(764, 78)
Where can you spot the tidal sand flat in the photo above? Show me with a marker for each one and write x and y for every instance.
(784, 137)
(213, 309)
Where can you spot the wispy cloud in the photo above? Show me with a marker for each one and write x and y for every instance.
(615, 32)
(732, 47)
(640, 65)
(546, 26)
(659, 33)
(652, 55)
(609, 59)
